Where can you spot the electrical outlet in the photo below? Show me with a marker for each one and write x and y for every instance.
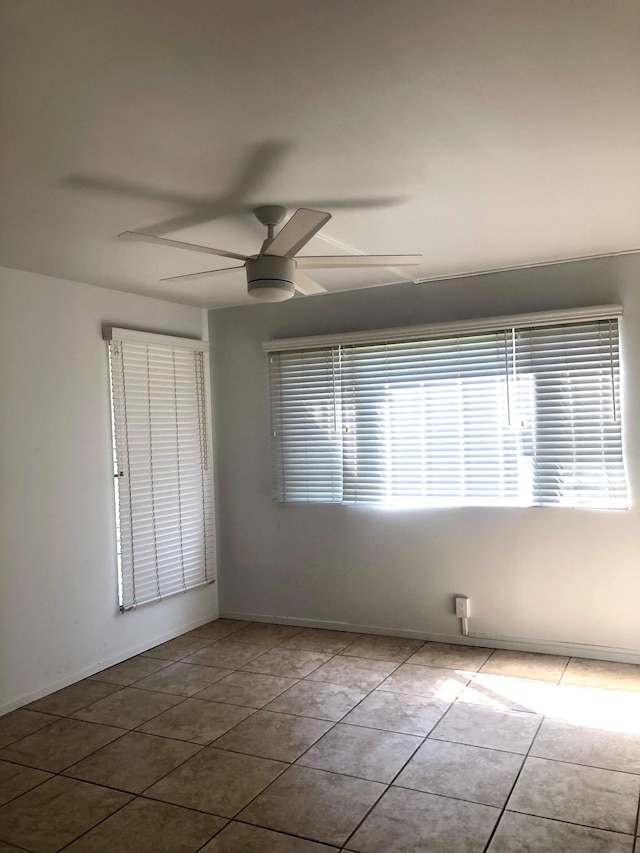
(462, 607)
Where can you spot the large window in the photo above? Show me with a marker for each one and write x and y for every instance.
(510, 411)
(162, 465)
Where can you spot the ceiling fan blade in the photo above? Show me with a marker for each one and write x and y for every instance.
(297, 232)
(176, 244)
(196, 275)
(306, 285)
(342, 261)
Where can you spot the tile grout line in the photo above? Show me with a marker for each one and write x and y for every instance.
(566, 822)
(564, 671)
(17, 796)
(515, 782)
(387, 784)
(283, 831)
(410, 758)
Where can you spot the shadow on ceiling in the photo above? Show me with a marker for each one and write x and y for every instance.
(261, 162)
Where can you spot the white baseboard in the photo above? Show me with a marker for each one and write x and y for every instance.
(523, 644)
(104, 664)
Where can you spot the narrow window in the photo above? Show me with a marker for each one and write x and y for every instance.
(163, 465)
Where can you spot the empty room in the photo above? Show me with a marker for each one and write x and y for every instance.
(319, 456)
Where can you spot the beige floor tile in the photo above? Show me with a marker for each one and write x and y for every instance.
(604, 799)
(426, 681)
(327, 807)
(528, 665)
(317, 699)
(520, 833)
(465, 772)
(72, 698)
(244, 838)
(197, 721)
(578, 744)
(606, 674)
(218, 629)
(145, 826)
(217, 781)
(52, 815)
(252, 689)
(226, 654)
(512, 731)
(365, 753)
(290, 663)
(177, 648)
(279, 736)
(128, 708)
(412, 822)
(266, 634)
(129, 671)
(506, 693)
(361, 673)
(133, 762)
(16, 780)
(20, 723)
(451, 656)
(396, 712)
(321, 640)
(383, 648)
(60, 745)
(183, 679)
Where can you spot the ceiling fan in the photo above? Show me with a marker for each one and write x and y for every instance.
(276, 273)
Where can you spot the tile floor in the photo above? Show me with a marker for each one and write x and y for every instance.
(241, 737)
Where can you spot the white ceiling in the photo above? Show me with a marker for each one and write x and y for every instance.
(481, 134)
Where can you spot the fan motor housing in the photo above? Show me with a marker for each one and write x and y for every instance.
(271, 278)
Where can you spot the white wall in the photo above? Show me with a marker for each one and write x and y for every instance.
(58, 593)
(557, 575)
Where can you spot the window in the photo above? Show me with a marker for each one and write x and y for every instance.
(511, 411)
(162, 464)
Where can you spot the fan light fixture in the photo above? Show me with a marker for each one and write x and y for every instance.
(265, 290)
(270, 278)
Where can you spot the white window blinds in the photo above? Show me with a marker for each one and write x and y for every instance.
(163, 465)
(502, 415)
